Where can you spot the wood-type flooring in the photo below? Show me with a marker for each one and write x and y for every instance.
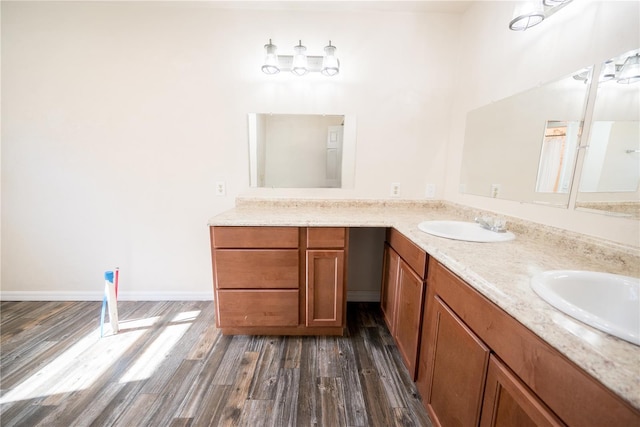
(170, 366)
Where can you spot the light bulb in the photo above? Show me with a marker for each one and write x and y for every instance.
(299, 66)
(271, 59)
(330, 64)
(552, 3)
(527, 14)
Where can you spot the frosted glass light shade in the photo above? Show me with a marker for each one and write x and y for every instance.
(630, 71)
(271, 59)
(299, 66)
(330, 64)
(608, 71)
(527, 14)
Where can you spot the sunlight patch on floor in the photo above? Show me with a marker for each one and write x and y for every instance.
(158, 351)
(80, 365)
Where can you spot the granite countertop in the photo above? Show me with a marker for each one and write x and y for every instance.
(499, 271)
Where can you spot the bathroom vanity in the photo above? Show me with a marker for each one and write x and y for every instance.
(479, 366)
(482, 347)
(279, 280)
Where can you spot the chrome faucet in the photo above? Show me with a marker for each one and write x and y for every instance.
(498, 225)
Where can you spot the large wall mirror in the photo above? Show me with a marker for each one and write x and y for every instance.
(301, 150)
(611, 168)
(523, 148)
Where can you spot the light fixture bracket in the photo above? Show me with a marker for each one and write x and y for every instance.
(314, 63)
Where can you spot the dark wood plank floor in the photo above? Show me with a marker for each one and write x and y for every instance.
(170, 366)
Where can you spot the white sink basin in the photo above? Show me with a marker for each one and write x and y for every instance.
(608, 302)
(461, 230)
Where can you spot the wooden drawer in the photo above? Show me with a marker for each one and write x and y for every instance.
(255, 269)
(257, 308)
(329, 237)
(254, 237)
(412, 254)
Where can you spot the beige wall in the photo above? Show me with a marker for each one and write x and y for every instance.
(118, 118)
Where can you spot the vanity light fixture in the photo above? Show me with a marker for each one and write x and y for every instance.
(532, 12)
(630, 70)
(300, 63)
(271, 59)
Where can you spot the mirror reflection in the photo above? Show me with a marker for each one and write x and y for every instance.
(559, 144)
(506, 146)
(300, 150)
(611, 167)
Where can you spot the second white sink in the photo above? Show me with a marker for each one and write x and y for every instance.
(461, 230)
(608, 302)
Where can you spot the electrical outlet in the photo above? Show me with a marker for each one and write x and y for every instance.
(430, 192)
(495, 190)
(395, 189)
(221, 188)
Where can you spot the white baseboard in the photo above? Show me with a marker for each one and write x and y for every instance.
(97, 296)
(357, 296)
(363, 296)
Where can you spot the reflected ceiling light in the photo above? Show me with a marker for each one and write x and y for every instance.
(608, 71)
(300, 63)
(583, 75)
(532, 12)
(630, 71)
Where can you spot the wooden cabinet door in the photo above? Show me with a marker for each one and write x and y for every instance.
(389, 286)
(458, 362)
(509, 402)
(410, 296)
(325, 288)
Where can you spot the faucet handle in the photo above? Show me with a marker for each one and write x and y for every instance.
(499, 225)
(491, 223)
